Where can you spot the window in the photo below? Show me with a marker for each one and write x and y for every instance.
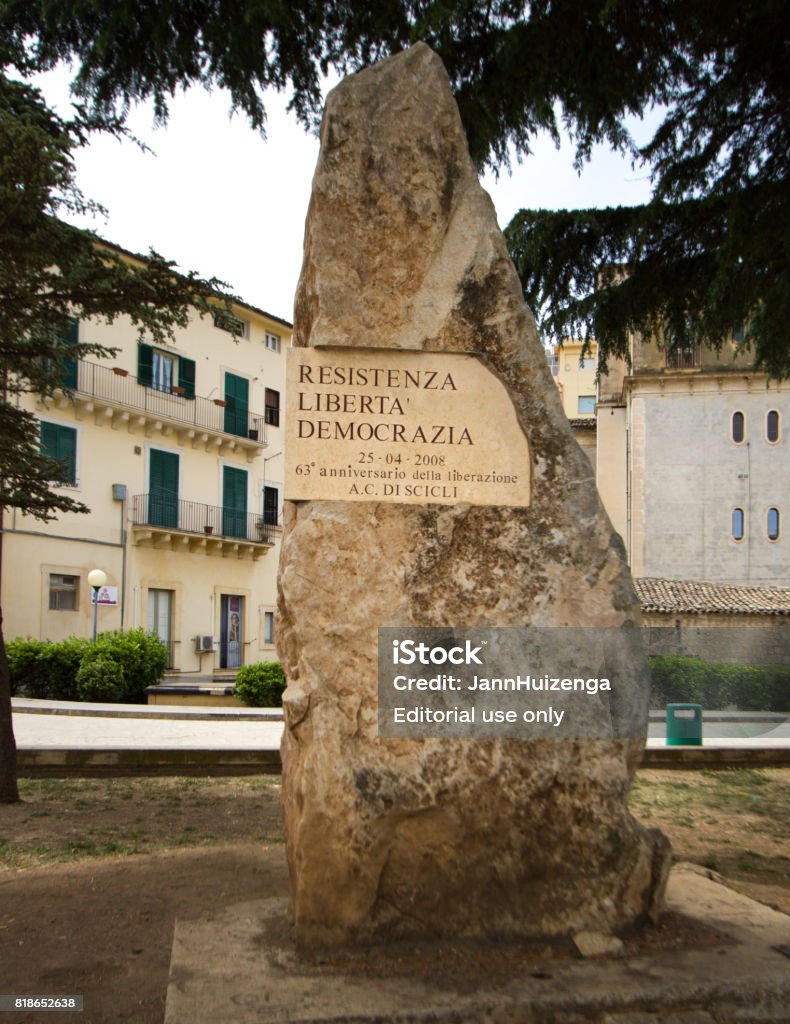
(60, 443)
(63, 592)
(587, 363)
(272, 412)
(163, 374)
(738, 427)
(739, 335)
(772, 523)
(272, 342)
(270, 505)
(586, 404)
(737, 524)
(772, 426)
(68, 366)
(232, 324)
(268, 627)
(164, 371)
(554, 366)
(160, 616)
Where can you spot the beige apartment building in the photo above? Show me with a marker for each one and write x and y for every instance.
(177, 450)
(574, 370)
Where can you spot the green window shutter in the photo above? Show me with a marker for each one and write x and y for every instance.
(236, 404)
(60, 443)
(186, 376)
(67, 453)
(72, 335)
(145, 365)
(69, 378)
(49, 440)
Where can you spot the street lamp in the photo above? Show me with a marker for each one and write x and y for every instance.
(97, 578)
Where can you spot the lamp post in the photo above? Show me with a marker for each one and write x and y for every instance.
(97, 578)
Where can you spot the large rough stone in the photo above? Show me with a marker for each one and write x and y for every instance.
(480, 837)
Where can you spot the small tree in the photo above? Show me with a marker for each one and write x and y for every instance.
(50, 274)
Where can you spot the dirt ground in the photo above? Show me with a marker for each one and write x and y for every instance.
(94, 873)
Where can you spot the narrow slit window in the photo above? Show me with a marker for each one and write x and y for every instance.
(773, 524)
(772, 426)
(738, 427)
(737, 524)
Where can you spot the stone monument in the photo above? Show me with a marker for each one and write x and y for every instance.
(434, 482)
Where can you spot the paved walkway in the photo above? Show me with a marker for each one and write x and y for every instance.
(61, 738)
(66, 725)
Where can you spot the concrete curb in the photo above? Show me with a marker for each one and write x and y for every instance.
(92, 763)
(67, 763)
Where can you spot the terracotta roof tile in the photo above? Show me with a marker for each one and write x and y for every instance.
(657, 595)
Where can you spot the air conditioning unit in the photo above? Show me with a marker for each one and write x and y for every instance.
(204, 644)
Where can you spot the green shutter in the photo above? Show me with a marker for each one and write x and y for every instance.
(71, 341)
(145, 365)
(60, 443)
(163, 488)
(237, 391)
(186, 376)
(234, 502)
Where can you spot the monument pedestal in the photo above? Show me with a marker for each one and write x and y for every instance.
(720, 960)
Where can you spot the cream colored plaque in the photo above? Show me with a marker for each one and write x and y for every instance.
(398, 426)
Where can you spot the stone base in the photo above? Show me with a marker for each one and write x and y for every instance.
(728, 961)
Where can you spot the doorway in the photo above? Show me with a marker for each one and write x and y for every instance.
(231, 623)
(160, 618)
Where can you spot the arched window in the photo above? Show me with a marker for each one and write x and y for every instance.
(737, 524)
(738, 427)
(772, 523)
(772, 426)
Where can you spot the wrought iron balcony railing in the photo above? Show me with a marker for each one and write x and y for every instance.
(119, 388)
(165, 513)
(684, 358)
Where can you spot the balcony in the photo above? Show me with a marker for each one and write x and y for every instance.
(116, 398)
(170, 524)
(684, 358)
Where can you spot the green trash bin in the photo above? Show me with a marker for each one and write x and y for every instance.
(684, 725)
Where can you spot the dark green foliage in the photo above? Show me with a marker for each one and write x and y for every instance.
(141, 656)
(23, 665)
(717, 685)
(706, 255)
(101, 679)
(261, 685)
(59, 671)
(52, 274)
(46, 670)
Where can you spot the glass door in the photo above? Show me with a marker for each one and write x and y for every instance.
(231, 618)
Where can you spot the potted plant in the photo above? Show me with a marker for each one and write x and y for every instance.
(220, 402)
(252, 435)
(120, 372)
(176, 390)
(208, 529)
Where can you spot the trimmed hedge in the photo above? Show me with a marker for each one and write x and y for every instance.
(261, 685)
(681, 680)
(116, 668)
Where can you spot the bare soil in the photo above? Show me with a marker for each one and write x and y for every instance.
(94, 873)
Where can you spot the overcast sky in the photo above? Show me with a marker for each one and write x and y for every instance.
(217, 198)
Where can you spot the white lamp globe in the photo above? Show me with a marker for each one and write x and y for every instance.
(97, 578)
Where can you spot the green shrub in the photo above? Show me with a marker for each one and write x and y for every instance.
(22, 657)
(58, 665)
(141, 656)
(680, 680)
(261, 685)
(52, 670)
(100, 679)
